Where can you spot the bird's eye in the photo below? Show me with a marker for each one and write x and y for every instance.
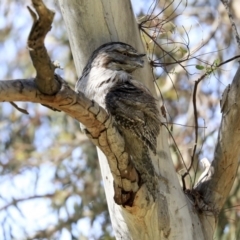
(123, 53)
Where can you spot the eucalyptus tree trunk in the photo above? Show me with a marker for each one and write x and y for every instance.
(173, 214)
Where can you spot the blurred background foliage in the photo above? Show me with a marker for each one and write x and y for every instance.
(50, 184)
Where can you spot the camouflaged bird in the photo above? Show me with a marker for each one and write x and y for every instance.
(107, 80)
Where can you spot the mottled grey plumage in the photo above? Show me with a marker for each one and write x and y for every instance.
(107, 80)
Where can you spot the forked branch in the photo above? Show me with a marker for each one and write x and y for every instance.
(45, 80)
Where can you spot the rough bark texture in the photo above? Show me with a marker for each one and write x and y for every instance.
(42, 21)
(75, 105)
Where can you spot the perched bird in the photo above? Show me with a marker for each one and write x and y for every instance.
(107, 80)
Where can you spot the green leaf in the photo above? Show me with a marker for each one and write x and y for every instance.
(199, 67)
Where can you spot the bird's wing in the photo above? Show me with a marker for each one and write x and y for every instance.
(135, 109)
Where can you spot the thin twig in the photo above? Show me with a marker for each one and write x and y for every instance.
(16, 201)
(167, 53)
(182, 125)
(180, 154)
(18, 108)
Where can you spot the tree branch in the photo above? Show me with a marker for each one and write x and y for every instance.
(45, 80)
(16, 201)
(98, 125)
(75, 105)
(217, 184)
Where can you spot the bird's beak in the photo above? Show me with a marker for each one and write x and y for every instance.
(141, 55)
